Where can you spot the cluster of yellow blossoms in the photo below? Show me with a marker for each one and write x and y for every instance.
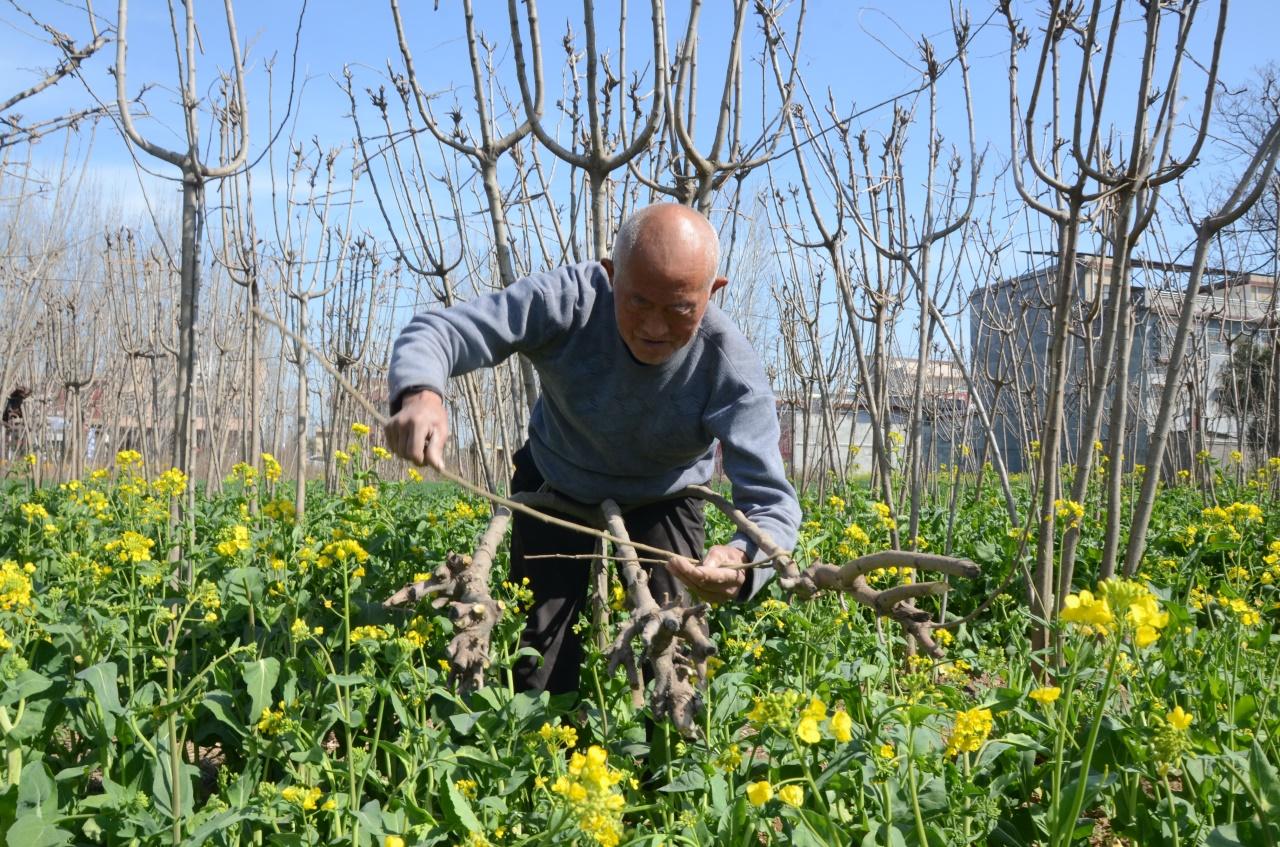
(171, 483)
(970, 729)
(1129, 603)
(342, 550)
(885, 515)
(127, 459)
(235, 540)
(761, 792)
(1226, 523)
(558, 736)
(131, 547)
(1245, 613)
(1171, 742)
(15, 585)
(367, 633)
(591, 791)
(271, 469)
(777, 709)
(280, 510)
(303, 797)
(1069, 512)
(1046, 694)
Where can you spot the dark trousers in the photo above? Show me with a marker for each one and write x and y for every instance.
(560, 585)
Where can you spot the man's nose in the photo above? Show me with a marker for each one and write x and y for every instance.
(654, 326)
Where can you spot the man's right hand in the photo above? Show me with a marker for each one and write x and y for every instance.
(419, 430)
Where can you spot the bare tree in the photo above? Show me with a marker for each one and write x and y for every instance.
(15, 128)
(195, 173)
(600, 158)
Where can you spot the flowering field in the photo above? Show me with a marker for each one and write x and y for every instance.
(257, 692)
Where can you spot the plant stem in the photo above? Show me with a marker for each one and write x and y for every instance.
(1083, 780)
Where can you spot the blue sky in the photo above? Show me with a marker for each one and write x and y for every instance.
(864, 52)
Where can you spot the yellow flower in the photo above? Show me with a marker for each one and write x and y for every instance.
(842, 726)
(1179, 720)
(235, 540)
(367, 633)
(393, 841)
(171, 483)
(792, 795)
(760, 792)
(1069, 511)
(807, 731)
(1145, 636)
(857, 535)
(360, 429)
(1046, 695)
(816, 709)
(558, 736)
(302, 797)
(15, 587)
(591, 792)
(131, 547)
(1086, 610)
(126, 459)
(34, 512)
(271, 468)
(969, 731)
(836, 502)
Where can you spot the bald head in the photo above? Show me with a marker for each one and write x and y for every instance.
(671, 240)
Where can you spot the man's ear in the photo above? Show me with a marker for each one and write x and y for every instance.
(607, 264)
(718, 283)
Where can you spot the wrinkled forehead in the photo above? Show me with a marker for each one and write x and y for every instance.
(668, 263)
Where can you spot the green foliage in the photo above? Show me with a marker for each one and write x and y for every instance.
(255, 691)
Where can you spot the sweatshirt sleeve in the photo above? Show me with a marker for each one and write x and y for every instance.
(747, 427)
(444, 343)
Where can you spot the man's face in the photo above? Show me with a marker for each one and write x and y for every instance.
(658, 311)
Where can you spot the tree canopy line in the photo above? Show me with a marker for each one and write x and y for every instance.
(855, 244)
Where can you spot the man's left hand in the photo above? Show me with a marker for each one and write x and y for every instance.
(711, 579)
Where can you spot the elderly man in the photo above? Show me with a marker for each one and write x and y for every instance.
(641, 375)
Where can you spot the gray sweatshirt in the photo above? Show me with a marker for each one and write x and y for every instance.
(607, 426)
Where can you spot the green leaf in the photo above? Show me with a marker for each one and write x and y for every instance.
(243, 585)
(32, 831)
(162, 783)
(260, 678)
(884, 835)
(691, 780)
(217, 823)
(1265, 780)
(343, 679)
(1246, 708)
(219, 704)
(27, 684)
(102, 679)
(37, 795)
(1226, 835)
(457, 811)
